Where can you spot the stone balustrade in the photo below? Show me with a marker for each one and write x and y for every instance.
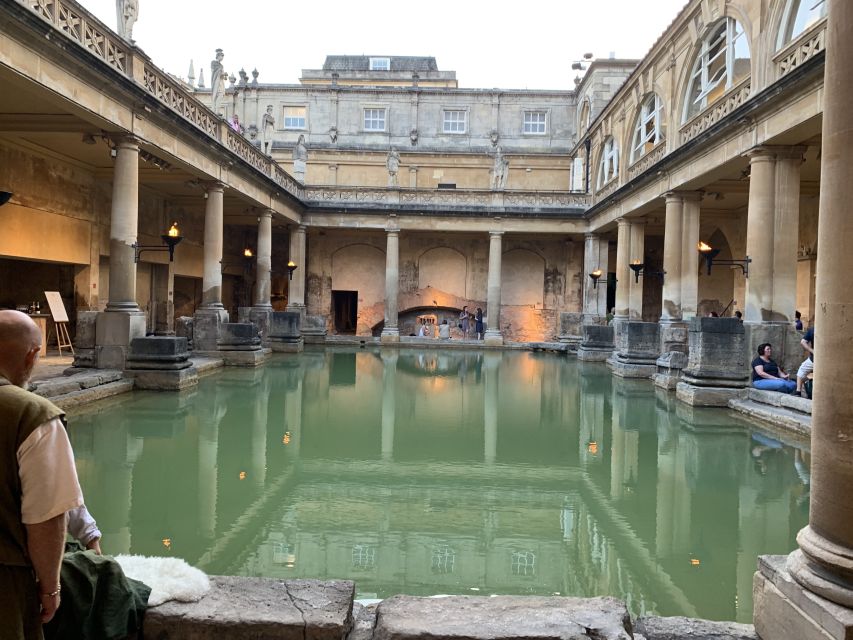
(335, 197)
(647, 161)
(735, 97)
(806, 47)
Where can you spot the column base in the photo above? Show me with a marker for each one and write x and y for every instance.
(709, 396)
(207, 322)
(815, 563)
(114, 332)
(390, 335)
(493, 338)
(783, 608)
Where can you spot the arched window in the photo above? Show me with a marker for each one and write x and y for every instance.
(798, 17)
(608, 165)
(649, 127)
(722, 62)
(584, 120)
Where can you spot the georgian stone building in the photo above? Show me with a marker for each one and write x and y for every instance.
(409, 197)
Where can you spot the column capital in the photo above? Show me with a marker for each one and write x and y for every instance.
(213, 186)
(591, 236)
(301, 228)
(691, 196)
(393, 231)
(672, 196)
(495, 234)
(622, 222)
(761, 154)
(125, 141)
(266, 213)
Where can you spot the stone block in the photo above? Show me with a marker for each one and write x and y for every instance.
(260, 317)
(669, 367)
(206, 326)
(184, 329)
(673, 337)
(243, 358)
(717, 355)
(680, 628)
(163, 380)
(243, 314)
(571, 325)
(285, 335)
(773, 398)
(697, 396)
(597, 336)
(237, 608)
(84, 336)
(314, 329)
(637, 342)
(114, 332)
(803, 405)
(501, 617)
(238, 336)
(785, 609)
(159, 352)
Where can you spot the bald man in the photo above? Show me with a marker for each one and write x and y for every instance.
(38, 485)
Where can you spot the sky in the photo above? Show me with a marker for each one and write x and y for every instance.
(488, 44)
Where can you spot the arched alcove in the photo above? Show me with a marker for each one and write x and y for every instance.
(522, 278)
(443, 269)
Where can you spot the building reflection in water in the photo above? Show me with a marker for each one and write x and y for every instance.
(447, 472)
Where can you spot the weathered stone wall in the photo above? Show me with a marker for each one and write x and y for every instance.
(441, 273)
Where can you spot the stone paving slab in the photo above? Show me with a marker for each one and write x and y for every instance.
(501, 618)
(84, 396)
(260, 608)
(679, 628)
(780, 417)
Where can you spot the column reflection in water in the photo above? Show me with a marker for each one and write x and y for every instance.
(389, 388)
(388, 468)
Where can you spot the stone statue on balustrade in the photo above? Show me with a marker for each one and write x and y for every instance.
(217, 81)
(267, 130)
(392, 163)
(127, 11)
(300, 159)
(500, 170)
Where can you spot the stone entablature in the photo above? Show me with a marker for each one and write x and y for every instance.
(450, 199)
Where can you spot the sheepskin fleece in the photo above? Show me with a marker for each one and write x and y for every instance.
(169, 578)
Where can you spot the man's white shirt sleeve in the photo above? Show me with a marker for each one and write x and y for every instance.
(49, 485)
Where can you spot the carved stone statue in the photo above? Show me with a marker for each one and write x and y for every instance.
(127, 11)
(333, 134)
(217, 82)
(300, 159)
(392, 163)
(413, 136)
(500, 169)
(267, 129)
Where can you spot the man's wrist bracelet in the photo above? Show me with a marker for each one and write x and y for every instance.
(53, 593)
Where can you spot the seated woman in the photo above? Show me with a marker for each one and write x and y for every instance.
(767, 375)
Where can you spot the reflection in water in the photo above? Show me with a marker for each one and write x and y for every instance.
(428, 472)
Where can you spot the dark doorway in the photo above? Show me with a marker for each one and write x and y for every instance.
(345, 311)
(611, 291)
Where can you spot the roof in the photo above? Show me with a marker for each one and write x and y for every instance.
(362, 63)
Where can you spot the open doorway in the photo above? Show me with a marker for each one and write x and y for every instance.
(345, 311)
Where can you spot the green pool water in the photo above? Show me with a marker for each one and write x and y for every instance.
(438, 472)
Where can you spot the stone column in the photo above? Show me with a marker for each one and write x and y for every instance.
(262, 279)
(296, 292)
(122, 320)
(759, 236)
(210, 316)
(635, 285)
(823, 563)
(211, 297)
(623, 271)
(390, 332)
(673, 245)
(690, 254)
(595, 256)
(493, 290)
(786, 233)
(123, 227)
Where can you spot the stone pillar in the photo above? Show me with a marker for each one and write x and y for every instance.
(123, 227)
(635, 285)
(690, 254)
(595, 254)
(759, 236)
(822, 565)
(262, 278)
(123, 320)
(786, 233)
(673, 245)
(210, 316)
(296, 292)
(623, 271)
(493, 291)
(211, 297)
(390, 332)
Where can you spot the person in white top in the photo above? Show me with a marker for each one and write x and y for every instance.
(38, 485)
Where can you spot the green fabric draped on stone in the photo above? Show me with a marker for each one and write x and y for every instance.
(98, 600)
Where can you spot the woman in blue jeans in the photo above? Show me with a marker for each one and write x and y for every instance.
(767, 375)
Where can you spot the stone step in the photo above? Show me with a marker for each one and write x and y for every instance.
(84, 396)
(776, 399)
(77, 380)
(679, 628)
(777, 415)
